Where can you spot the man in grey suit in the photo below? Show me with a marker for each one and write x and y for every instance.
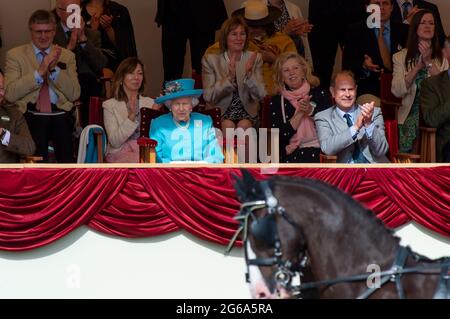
(85, 43)
(355, 133)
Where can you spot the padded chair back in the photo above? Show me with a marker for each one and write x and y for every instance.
(389, 102)
(147, 115)
(92, 145)
(146, 145)
(106, 80)
(214, 112)
(96, 111)
(385, 88)
(264, 112)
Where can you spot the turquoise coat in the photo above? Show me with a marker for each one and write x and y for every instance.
(193, 141)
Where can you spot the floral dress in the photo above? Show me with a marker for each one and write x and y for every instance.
(409, 130)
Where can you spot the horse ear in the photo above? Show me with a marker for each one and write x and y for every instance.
(239, 187)
(249, 180)
(245, 186)
(251, 185)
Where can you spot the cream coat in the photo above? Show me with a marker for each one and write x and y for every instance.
(218, 88)
(118, 126)
(399, 84)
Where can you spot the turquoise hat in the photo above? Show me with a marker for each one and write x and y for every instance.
(178, 88)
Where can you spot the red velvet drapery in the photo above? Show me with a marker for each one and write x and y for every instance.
(39, 206)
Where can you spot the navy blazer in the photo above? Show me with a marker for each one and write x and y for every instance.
(361, 40)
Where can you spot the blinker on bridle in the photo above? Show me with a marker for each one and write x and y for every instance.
(265, 229)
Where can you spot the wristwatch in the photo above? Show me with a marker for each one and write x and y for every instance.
(429, 65)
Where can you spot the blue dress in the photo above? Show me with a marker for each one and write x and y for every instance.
(189, 141)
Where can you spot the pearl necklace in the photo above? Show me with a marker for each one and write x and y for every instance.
(185, 127)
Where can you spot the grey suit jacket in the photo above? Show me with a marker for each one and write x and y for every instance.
(20, 142)
(218, 90)
(335, 138)
(90, 58)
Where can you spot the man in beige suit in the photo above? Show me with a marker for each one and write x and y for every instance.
(42, 80)
(15, 138)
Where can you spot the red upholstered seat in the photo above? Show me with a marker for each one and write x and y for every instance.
(147, 145)
(96, 111)
(214, 112)
(264, 112)
(147, 115)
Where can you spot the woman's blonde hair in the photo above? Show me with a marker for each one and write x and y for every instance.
(127, 66)
(228, 26)
(278, 70)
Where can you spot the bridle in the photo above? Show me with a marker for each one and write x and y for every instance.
(265, 229)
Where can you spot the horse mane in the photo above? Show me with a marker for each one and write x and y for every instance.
(357, 210)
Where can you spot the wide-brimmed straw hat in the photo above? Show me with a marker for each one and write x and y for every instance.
(178, 88)
(257, 13)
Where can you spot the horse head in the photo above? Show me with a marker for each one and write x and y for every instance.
(274, 244)
(307, 230)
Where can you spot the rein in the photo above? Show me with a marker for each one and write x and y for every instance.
(393, 274)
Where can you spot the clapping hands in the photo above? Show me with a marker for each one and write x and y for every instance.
(304, 105)
(50, 60)
(105, 21)
(250, 63)
(425, 52)
(367, 110)
(298, 27)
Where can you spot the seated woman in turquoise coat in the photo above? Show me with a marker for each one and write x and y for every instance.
(183, 135)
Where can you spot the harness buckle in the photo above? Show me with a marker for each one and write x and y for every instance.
(283, 277)
(395, 272)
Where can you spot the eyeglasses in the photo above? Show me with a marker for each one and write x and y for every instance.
(42, 32)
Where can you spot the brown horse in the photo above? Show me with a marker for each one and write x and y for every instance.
(339, 248)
